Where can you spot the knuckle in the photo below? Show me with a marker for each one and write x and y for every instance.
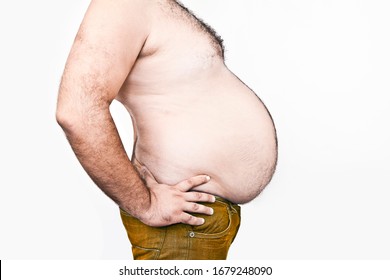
(198, 196)
(166, 218)
(195, 207)
(190, 181)
(177, 196)
(188, 219)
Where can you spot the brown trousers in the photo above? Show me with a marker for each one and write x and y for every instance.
(210, 241)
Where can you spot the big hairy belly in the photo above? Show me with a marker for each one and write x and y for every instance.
(236, 147)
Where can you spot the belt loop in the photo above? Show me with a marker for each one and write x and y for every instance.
(233, 209)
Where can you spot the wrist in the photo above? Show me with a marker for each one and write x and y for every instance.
(138, 208)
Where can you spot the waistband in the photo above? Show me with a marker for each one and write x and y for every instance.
(234, 207)
(221, 199)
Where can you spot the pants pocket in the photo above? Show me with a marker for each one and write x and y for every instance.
(216, 225)
(140, 253)
(212, 240)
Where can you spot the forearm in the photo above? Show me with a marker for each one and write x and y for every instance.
(97, 145)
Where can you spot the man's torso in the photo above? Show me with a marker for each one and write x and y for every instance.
(192, 116)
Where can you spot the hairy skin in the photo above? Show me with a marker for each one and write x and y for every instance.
(101, 58)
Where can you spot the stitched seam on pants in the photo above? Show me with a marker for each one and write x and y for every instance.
(162, 244)
(233, 209)
(189, 242)
(156, 251)
(146, 249)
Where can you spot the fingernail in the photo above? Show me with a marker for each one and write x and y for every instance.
(213, 200)
(202, 221)
(212, 211)
(208, 178)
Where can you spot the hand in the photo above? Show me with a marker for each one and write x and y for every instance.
(171, 204)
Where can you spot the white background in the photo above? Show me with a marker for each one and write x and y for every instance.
(322, 67)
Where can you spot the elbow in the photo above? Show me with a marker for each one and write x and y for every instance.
(75, 118)
(66, 118)
(74, 114)
(62, 119)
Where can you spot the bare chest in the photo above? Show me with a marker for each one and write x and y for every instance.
(184, 24)
(179, 48)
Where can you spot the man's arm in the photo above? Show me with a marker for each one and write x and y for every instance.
(109, 40)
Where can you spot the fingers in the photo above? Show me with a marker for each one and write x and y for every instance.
(192, 182)
(199, 197)
(198, 208)
(188, 219)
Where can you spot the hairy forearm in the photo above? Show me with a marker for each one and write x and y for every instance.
(97, 145)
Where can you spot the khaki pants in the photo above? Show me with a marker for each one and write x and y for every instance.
(210, 241)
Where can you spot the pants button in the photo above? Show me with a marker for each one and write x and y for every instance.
(191, 234)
